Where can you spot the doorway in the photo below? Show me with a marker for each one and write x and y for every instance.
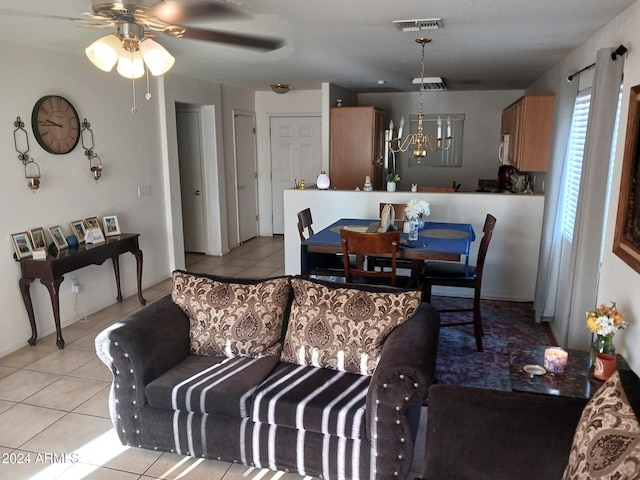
(246, 166)
(188, 122)
(296, 154)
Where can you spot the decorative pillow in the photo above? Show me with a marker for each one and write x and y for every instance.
(342, 328)
(607, 440)
(232, 319)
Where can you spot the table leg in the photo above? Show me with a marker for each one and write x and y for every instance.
(54, 288)
(25, 283)
(416, 272)
(116, 270)
(138, 255)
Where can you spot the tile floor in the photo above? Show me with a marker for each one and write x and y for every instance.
(54, 417)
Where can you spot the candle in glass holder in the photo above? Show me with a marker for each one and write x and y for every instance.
(555, 359)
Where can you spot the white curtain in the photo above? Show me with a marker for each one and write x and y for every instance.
(586, 246)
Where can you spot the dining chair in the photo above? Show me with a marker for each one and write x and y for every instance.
(366, 245)
(451, 274)
(326, 264)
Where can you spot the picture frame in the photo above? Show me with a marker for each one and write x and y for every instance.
(58, 237)
(91, 222)
(110, 225)
(78, 229)
(22, 245)
(626, 240)
(38, 240)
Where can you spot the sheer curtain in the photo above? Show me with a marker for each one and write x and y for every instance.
(584, 265)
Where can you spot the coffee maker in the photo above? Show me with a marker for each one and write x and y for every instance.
(504, 177)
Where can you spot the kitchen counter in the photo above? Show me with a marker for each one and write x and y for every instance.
(512, 261)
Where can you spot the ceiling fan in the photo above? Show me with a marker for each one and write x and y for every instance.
(134, 19)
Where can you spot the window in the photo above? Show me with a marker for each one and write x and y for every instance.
(573, 170)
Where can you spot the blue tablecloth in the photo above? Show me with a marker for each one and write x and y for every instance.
(438, 240)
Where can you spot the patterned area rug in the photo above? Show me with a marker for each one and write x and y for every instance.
(504, 323)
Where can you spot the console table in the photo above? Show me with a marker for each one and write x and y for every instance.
(51, 272)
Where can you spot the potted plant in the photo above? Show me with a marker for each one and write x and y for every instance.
(392, 179)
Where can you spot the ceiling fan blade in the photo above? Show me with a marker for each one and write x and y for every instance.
(240, 40)
(15, 13)
(174, 12)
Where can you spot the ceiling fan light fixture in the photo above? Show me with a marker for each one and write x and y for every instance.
(156, 57)
(130, 64)
(104, 52)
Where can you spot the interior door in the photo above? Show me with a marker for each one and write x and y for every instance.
(190, 162)
(296, 154)
(246, 175)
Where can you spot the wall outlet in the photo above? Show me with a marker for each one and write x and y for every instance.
(75, 286)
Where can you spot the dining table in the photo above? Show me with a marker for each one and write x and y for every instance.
(442, 241)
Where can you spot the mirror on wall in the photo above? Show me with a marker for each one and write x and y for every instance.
(452, 157)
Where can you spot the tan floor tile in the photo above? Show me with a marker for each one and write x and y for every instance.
(22, 422)
(228, 270)
(69, 334)
(98, 321)
(4, 405)
(24, 383)
(257, 272)
(242, 472)
(95, 370)
(26, 355)
(62, 361)
(72, 434)
(98, 405)
(82, 471)
(85, 343)
(173, 467)
(66, 394)
(5, 371)
(109, 452)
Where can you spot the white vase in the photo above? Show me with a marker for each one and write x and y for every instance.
(323, 182)
(391, 186)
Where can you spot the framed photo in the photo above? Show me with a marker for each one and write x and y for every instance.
(110, 225)
(22, 245)
(626, 240)
(77, 227)
(37, 238)
(58, 237)
(91, 222)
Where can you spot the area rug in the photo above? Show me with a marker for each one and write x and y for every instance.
(504, 323)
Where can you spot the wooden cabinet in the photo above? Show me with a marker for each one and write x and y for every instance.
(357, 147)
(528, 122)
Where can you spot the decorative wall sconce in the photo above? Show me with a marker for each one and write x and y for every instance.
(95, 164)
(31, 168)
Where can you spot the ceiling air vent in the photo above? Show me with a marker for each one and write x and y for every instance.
(417, 25)
(431, 84)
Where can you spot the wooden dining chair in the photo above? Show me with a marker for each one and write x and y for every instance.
(450, 274)
(367, 245)
(326, 264)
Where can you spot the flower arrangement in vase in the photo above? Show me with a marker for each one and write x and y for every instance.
(413, 212)
(604, 322)
(392, 179)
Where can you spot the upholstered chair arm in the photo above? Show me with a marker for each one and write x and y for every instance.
(480, 434)
(398, 387)
(138, 350)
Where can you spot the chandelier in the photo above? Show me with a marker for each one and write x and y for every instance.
(420, 140)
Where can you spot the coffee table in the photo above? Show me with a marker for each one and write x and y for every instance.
(577, 381)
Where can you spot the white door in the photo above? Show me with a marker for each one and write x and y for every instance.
(190, 161)
(246, 175)
(296, 154)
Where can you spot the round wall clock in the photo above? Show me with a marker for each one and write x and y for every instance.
(55, 124)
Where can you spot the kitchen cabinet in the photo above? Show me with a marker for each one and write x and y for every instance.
(528, 122)
(357, 147)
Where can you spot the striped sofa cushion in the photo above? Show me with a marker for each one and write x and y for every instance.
(205, 384)
(313, 399)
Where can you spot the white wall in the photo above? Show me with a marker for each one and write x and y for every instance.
(130, 150)
(618, 282)
(483, 117)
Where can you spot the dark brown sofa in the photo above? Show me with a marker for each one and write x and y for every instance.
(357, 426)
